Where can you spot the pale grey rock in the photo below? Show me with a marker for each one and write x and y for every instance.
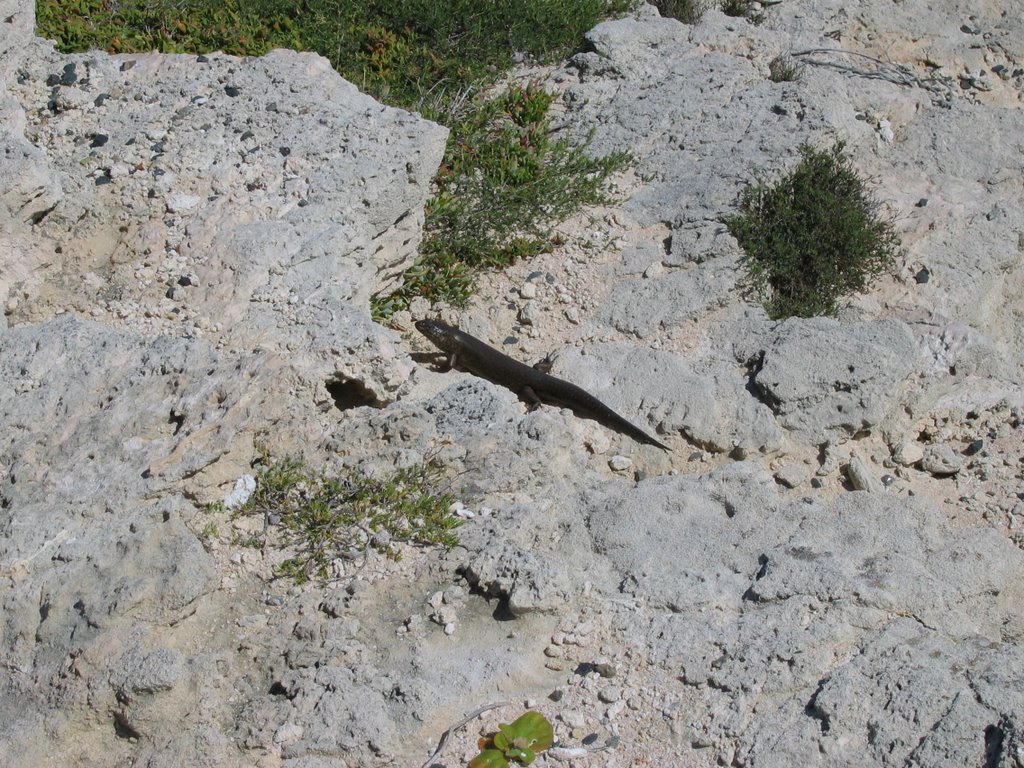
(646, 305)
(864, 629)
(908, 453)
(619, 463)
(811, 651)
(289, 196)
(708, 402)
(675, 95)
(792, 474)
(941, 460)
(516, 576)
(474, 408)
(862, 478)
(825, 380)
(141, 672)
(664, 538)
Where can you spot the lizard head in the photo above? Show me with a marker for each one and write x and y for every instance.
(440, 335)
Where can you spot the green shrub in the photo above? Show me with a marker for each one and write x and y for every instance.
(783, 69)
(516, 742)
(813, 237)
(686, 11)
(320, 517)
(743, 9)
(502, 184)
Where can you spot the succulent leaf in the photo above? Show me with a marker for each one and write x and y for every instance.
(489, 758)
(532, 731)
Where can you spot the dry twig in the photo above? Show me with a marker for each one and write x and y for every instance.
(444, 736)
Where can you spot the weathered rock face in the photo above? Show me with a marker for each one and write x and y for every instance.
(256, 203)
(827, 380)
(189, 244)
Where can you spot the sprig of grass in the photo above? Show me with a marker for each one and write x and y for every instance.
(322, 517)
(503, 183)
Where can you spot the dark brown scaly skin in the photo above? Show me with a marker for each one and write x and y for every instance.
(533, 386)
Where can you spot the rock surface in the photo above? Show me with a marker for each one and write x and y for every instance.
(190, 244)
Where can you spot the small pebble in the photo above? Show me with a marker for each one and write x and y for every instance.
(941, 461)
(529, 313)
(861, 476)
(974, 447)
(792, 475)
(573, 718)
(908, 453)
(610, 695)
(619, 463)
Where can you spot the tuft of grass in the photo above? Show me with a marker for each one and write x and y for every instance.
(321, 517)
(742, 9)
(686, 11)
(783, 69)
(814, 236)
(502, 184)
(170, 26)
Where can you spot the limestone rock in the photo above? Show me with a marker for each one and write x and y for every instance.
(941, 460)
(824, 379)
(861, 476)
(908, 453)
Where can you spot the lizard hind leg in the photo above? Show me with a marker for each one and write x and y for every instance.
(527, 395)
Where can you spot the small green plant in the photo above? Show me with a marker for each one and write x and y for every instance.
(209, 532)
(517, 742)
(504, 181)
(813, 237)
(323, 517)
(783, 69)
(743, 9)
(686, 11)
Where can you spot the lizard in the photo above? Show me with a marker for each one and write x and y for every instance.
(532, 385)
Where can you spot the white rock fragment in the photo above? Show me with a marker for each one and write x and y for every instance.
(941, 460)
(179, 202)
(244, 488)
(529, 313)
(289, 733)
(792, 475)
(459, 510)
(885, 131)
(620, 463)
(861, 477)
(907, 453)
(573, 718)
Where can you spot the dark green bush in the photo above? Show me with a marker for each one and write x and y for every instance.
(686, 11)
(813, 237)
